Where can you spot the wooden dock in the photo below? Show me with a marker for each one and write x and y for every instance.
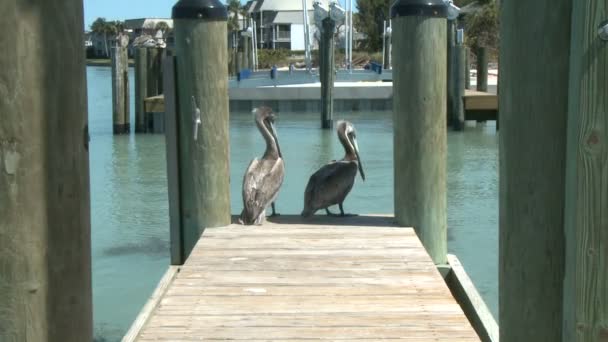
(480, 106)
(477, 105)
(348, 279)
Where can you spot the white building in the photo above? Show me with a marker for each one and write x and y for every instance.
(280, 23)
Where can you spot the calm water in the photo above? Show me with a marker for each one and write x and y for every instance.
(130, 209)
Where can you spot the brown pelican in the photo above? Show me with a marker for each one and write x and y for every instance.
(332, 182)
(263, 177)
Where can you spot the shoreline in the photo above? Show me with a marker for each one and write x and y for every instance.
(105, 62)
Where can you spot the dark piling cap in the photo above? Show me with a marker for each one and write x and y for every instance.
(419, 8)
(200, 9)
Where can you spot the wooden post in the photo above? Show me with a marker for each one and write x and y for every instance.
(451, 84)
(586, 208)
(45, 229)
(467, 68)
(176, 233)
(246, 53)
(141, 88)
(533, 110)
(154, 72)
(120, 86)
(419, 114)
(204, 145)
(458, 90)
(387, 47)
(327, 73)
(482, 69)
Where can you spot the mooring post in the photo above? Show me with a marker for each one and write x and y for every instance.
(482, 69)
(204, 151)
(467, 68)
(141, 88)
(458, 83)
(327, 73)
(45, 229)
(154, 72)
(533, 102)
(120, 86)
(451, 29)
(586, 208)
(246, 53)
(419, 114)
(387, 46)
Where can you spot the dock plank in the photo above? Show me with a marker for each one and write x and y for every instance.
(329, 280)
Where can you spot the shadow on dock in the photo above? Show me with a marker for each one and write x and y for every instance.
(324, 220)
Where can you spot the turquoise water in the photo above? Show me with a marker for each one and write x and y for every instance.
(130, 209)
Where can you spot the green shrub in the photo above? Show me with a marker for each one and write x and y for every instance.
(267, 58)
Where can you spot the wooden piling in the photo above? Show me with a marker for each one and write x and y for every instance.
(176, 242)
(451, 75)
(154, 74)
(120, 86)
(386, 65)
(586, 207)
(246, 43)
(141, 88)
(327, 73)
(419, 114)
(204, 147)
(45, 229)
(533, 98)
(482, 69)
(458, 90)
(467, 68)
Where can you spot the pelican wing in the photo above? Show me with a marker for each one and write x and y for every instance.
(329, 185)
(261, 185)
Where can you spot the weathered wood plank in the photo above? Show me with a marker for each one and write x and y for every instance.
(325, 285)
(151, 304)
(473, 305)
(477, 100)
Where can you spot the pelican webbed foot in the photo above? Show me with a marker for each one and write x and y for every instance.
(329, 213)
(341, 214)
(274, 213)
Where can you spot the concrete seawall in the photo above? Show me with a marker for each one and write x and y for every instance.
(348, 96)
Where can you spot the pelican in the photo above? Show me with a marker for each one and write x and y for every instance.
(332, 182)
(263, 177)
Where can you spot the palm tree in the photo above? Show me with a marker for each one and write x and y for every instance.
(100, 27)
(234, 10)
(234, 7)
(163, 27)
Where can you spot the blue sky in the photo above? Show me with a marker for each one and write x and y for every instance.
(126, 9)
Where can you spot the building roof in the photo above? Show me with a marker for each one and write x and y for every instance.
(282, 5)
(470, 8)
(290, 17)
(146, 23)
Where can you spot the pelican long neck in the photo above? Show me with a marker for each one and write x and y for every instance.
(349, 149)
(271, 145)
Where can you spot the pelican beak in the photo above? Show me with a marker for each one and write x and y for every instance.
(359, 163)
(274, 135)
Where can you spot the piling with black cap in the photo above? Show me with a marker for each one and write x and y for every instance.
(327, 72)
(419, 111)
(202, 95)
(458, 82)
